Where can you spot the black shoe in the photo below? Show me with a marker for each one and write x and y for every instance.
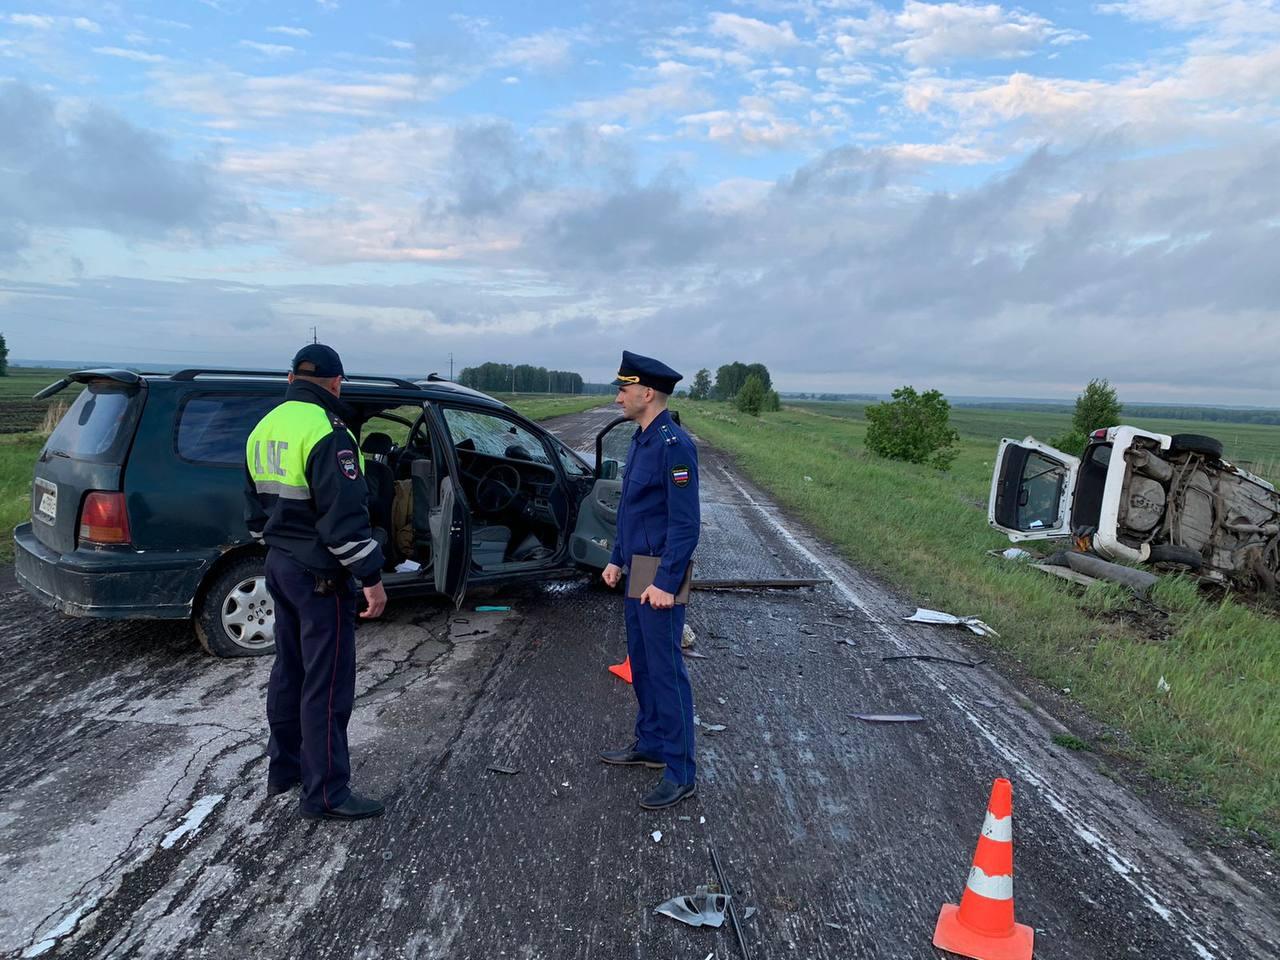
(355, 807)
(630, 758)
(277, 787)
(667, 794)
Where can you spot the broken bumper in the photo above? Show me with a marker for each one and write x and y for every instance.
(113, 584)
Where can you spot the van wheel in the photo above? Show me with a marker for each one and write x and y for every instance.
(1195, 443)
(1175, 555)
(236, 616)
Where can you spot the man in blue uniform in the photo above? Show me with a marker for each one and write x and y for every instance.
(659, 517)
(306, 499)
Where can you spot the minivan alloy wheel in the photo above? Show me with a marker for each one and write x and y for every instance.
(248, 614)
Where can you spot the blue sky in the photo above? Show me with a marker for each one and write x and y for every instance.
(986, 198)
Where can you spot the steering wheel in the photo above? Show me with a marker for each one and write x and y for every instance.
(497, 488)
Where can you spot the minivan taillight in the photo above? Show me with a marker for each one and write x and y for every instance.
(103, 518)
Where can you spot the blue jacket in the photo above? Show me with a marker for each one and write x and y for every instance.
(659, 514)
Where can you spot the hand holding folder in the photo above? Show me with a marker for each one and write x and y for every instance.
(645, 568)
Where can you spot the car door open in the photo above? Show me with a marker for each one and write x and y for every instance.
(597, 523)
(1032, 490)
(449, 520)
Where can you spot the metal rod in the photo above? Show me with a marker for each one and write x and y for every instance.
(754, 584)
(733, 911)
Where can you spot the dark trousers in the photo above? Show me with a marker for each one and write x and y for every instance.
(313, 683)
(664, 722)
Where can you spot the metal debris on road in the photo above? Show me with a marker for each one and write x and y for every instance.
(492, 609)
(714, 727)
(703, 909)
(721, 700)
(733, 913)
(888, 717)
(694, 654)
(688, 638)
(848, 642)
(657, 836)
(756, 584)
(923, 615)
(935, 659)
(495, 768)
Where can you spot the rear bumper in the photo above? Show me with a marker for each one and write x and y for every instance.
(113, 584)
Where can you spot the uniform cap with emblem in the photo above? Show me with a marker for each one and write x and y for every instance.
(647, 372)
(323, 359)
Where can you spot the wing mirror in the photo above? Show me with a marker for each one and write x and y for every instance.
(609, 470)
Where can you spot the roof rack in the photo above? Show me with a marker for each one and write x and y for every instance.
(195, 372)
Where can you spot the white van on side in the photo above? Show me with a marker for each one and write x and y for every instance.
(1141, 497)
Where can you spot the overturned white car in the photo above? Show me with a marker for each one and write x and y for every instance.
(1142, 497)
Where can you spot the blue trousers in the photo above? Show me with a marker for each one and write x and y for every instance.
(313, 683)
(664, 722)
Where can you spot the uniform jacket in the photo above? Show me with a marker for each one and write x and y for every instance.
(659, 514)
(305, 490)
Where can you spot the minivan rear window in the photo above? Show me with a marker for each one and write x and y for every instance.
(214, 428)
(99, 424)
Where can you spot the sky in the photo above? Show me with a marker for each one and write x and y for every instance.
(981, 198)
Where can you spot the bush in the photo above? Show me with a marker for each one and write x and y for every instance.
(915, 427)
(750, 398)
(772, 402)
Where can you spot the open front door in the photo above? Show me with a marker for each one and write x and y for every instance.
(1032, 490)
(597, 524)
(449, 520)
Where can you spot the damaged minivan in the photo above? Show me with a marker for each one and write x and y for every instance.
(1141, 497)
(137, 503)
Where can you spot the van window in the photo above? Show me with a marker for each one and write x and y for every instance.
(99, 424)
(214, 427)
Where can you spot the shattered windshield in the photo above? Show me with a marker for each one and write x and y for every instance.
(1040, 493)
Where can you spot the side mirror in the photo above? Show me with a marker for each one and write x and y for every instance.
(609, 470)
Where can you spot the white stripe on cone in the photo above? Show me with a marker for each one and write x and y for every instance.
(999, 829)
(999, 887)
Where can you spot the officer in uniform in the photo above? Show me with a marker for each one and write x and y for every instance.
(658, 516)
(306, 499)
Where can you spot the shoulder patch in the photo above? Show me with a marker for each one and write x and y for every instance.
(347, 463)
(669, 436)
(680, 474)
(337, 422)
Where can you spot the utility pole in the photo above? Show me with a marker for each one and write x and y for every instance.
(513, 378)
(315, 333)
(548, 381)
(451, 367)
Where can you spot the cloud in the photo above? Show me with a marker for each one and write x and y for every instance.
(542, 51)
(943, 32)
(45, 22)
(138, 56)
(673, 89)
(300, 32)
(1251, 16)
(268, 49)
(753, 35)
(92, 168)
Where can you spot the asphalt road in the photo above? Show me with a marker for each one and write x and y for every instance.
(133, 821)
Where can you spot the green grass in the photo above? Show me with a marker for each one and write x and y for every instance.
(540, 406)
(1255, 446)
(1215, 733)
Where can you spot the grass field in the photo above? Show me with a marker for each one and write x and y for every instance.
(1254, 446)
(1215, 734)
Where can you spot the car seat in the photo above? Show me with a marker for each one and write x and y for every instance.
(382, 490)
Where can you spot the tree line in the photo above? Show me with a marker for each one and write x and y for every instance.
(519, 378)
(746, 385)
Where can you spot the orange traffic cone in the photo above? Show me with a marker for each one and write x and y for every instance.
(982, 926)
(622, 669)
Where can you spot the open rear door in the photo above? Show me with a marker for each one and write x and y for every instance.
(597, 523)
(449, 520)
(1032, 490)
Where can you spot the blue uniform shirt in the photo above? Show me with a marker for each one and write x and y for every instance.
(659, 514)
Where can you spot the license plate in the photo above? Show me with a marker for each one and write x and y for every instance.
(45, 501)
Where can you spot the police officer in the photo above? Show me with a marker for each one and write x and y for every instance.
(306, 499)
(659, 517)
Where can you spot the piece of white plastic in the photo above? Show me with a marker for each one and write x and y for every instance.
(946, 619)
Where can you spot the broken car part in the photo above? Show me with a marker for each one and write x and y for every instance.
(702, 909)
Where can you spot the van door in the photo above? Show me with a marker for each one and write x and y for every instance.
(86, 452)
(1032, 490)
(597, 524)
(449, 519)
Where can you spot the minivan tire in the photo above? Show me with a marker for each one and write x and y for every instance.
(1196, 443)
(1176, 555)
(235, 614)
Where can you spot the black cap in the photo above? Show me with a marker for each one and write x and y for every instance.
(324, 359)
(647, 372)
